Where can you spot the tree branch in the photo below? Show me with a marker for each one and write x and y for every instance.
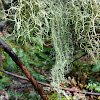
(79, 57)
(17, 60)
(48, 85)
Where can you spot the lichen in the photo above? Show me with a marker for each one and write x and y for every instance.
(55, 21)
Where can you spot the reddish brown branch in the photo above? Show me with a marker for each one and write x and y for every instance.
(48, 85)
(17, 60)
(4, 33)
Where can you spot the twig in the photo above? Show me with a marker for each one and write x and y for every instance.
(9, 73)
(4, 33)
(17, 60)
(79, 57)
(48, 85)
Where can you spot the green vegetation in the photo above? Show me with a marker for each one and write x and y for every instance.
(93, 85)
(48, 35)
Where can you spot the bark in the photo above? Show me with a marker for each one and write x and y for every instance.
(48, 85)
(17, 60)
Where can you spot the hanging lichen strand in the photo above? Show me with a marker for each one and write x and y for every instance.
(61, 37)
(28, 23)
(55, 21)
(86, 15)
(33, 17)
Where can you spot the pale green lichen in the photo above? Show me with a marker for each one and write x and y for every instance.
(55, 21)
(87, 25)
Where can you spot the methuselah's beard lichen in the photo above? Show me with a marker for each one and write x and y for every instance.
(55, 21)
(61, 37)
